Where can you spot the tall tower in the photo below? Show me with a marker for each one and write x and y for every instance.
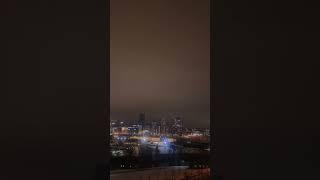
(178, 125)
(163, 126)
(142, 118)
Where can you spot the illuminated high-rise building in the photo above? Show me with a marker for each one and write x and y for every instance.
(163, 126)
(141, 121)
(177, 126)
(155, 127)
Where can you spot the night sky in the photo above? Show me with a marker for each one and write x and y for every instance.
(160, 60)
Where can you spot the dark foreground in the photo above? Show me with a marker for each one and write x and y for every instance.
(132, 162)
(161, 173)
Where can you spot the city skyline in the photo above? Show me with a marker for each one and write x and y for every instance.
(160, 62)
(169, 117)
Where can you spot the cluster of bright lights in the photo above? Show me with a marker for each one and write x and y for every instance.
(144, 140)
(124, 166)
(121, 138)
(165, 141)
(117, 153)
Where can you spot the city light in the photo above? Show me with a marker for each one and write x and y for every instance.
(137, 141)
(144, 140)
